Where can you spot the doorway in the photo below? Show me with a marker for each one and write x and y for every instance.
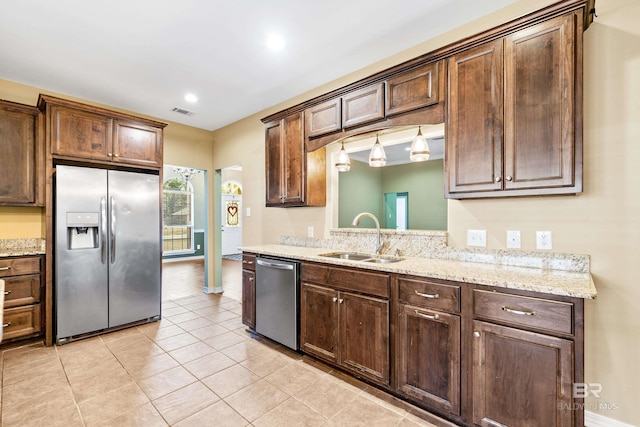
(396, 211)
(229, 224)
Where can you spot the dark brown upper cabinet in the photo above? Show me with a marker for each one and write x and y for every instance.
(363, 106)
(415, 89)
(293, 176)
(21, 162)
(324, 118)
(512, 128)
(81, 132)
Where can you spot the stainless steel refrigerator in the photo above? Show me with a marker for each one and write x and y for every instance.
(107, 255)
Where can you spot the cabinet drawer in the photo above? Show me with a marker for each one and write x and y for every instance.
(21, 290)
(21, 321)
(249, 261)
(19, 266)
(525, 311)
(429, 293)
(348, 280)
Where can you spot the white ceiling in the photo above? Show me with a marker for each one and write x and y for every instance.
(144, 56)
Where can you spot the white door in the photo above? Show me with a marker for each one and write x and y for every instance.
(231, 224)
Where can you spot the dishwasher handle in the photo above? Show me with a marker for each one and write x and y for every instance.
(277, 265)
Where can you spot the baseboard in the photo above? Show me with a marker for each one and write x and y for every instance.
(186, 258)
(591, 419)
(216, 290)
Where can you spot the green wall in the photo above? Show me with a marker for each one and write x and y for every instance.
(359, 190)
(363, 187)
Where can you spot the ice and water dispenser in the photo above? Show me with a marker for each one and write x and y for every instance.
(82, 230)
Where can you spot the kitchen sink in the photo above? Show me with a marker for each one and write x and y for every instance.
(353, 256)
(382, 260)
(347, 255)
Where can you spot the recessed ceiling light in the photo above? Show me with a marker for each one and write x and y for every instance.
(275, 42)
(190, 98)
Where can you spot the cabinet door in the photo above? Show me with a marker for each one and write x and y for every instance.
(273, 164)
(474, 120)
(539, 105)
(319, 321)
(324, 118)
(18, 165)
(521, 378)
(363, 105)
(293, 159)
(428, 357)
(412, 90)
(137, 143)
(80, 134)
(364, 336)
(249, 298)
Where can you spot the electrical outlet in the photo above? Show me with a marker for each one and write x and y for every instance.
(248, 211)
(310, 231)
(477, 238)
(513, 239)
(543, 240)
(198, 247)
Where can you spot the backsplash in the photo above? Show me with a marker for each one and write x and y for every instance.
(433, 244)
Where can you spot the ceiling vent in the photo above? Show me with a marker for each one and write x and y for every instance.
(183, 111)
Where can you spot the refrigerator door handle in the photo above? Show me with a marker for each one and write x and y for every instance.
(112, 231)
(103, 229)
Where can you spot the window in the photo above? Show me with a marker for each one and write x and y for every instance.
(177, 216)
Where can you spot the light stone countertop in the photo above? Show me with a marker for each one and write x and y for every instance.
(555, 282)
(22, 247)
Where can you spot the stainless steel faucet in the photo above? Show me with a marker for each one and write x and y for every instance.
(356, 221)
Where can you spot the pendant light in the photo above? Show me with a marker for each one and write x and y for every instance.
(344, 163)
(419, 148)
(377, 156)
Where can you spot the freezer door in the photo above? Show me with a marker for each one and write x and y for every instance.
(135, 254)
(81, 285)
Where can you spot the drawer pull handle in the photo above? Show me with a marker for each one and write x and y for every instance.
(7, 292)
(5, 268)
(6, 325)
(432, 296)
(247, 262)
(522, 312)
(427, 316)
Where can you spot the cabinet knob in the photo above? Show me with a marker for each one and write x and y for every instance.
(509, 178)
(6, 325)
(110, 154)
(116, 155)
(7, 292)
(476, 334)
(335, 299)
(5, 268)
(340, 300)
(498, 178)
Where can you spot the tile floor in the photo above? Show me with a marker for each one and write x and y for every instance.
(198, 366)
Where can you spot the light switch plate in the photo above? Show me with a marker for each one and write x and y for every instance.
(310, 231)
(477, 238)
(543, 240)
(513, 239)
(248, 211)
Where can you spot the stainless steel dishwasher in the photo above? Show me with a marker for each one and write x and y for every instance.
(277, 289)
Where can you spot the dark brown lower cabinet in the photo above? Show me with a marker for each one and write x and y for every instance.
(347, 329)
(521, 378)
(319, 321)
(249, 298)
(428, 357)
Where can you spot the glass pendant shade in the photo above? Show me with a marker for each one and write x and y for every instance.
(344, 163)
(419, 148)
(377, 156)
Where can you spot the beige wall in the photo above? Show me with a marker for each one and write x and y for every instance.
(604, 221)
